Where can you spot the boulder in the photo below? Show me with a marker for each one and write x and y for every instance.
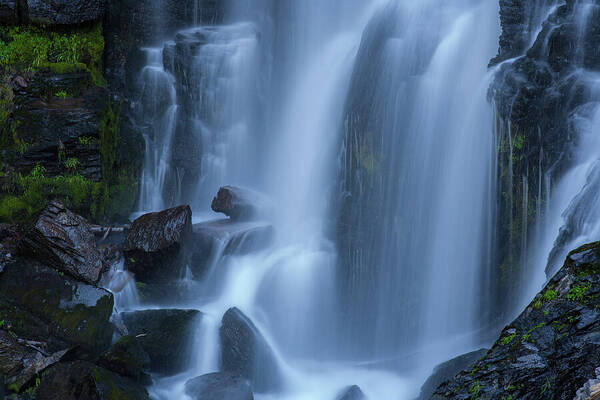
(41, 304)
(155, 242)
(244, 351)
(448, 370)
(351, 393)
(128, 358)
(165, 335)
(63, 240)
(551, 350)
(239, 203)
(64, 12)
(80, 380)
(219, 386)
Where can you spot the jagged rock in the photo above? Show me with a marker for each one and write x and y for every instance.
(219, 386)
(41, 304)
(225, 237)
(551, 350)
(80, 380)
(352, 393)
(591, 389)
(448, 370)
(64, 12)
(63, 240)
(238, 203)
(154, 245)
(128, 358)
(165, 335)
(21, 360)
(245, 351)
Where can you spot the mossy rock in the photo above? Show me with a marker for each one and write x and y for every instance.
(127, 357)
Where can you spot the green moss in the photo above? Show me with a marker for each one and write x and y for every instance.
(109, 137)
(577, 292)
(508, 339)
(550, 295)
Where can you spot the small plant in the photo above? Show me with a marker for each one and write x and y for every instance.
(72, 164)
(578, 292)
(475, 390)
(519, 141)
(1, 323)
(550, 295)
(62, 94)
(86, 140)
(508, 339)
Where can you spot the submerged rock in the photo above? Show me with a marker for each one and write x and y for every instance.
(41, 304)
(238, 203)
(63, 240)
(127, 357)
(80, 380)
(352, 393)
(448, 370)
(551, 350)
(164, 335)
(245, 351)
(155, 242)
(219, 386)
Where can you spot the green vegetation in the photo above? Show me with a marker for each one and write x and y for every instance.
(475, 390)
(528, 334)
(518, 142)
(550, 295)
(62, 94)
(578, 292)
(508, 339)
(31, 48)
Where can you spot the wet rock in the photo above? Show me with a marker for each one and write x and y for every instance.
(219, 386)
(448, 370)
(9, 12)
(164, 335)
(21, 360)
(551, 350)
(63, 240)
(80, 380)
(128, 358)
(245, 351)
(41, 304)
(238, 203)
(352, 393)
(64, 12)
(155, 242)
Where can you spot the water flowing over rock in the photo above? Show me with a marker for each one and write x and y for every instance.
(245, 351)
(165, 335)
(552, 349)
(63, 240)
(154, 245)
(352, 393)
(237, 203)
(219, 386)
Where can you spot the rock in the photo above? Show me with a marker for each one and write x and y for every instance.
(225, 237)
(165, 335)
(551, 350)
(41, 304)
(238, 203)
(128, 358)
(352, 393)
(219, 386)
(80, 380)
(448, 370)
(9, 12)
(64, 12)
(64, 241)
(244, 351)
(155, 242)
(21, 360)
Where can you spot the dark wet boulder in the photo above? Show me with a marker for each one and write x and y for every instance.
(9, 12)
(64, 12)
(165, 335)
(128, 358)
(244, 351)
(41, 304)
(351, 393)
(154, 248)
(239, 203)
(64, 241)
(551, 350)
(80, 380)
(219, 386)
(448, 370)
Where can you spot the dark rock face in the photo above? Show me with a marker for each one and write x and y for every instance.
(237, 203)
(552, 349)
(154, 244)
(81, 380)
(244, 351)
(63, 240)
(40, 304)
(64, 12)
(128, 358)
(219, 386)
(449, 370)
(352, 393)
(164, 335)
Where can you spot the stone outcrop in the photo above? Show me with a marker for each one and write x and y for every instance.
(551, 350)
(238, 203)
(219, 386)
